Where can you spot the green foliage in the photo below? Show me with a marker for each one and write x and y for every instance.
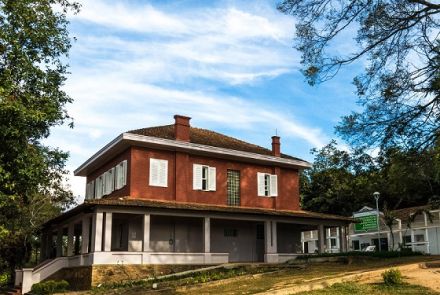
(399, 94)
(5, 277)
(352, 288)
(187, 280)
(341, 182)
(392, 277)
(35, 43)
(49, 287)
(382, 254)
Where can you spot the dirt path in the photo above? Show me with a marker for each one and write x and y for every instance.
(412, 273)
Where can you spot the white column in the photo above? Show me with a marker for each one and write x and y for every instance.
(85, 235)
(270, 236)
(321, 238)
(399, 222)
(338, 239)
(328, 239)
(108, 232)
(146, 243)
(412, 240)
(390, 245)
(70, 234)
(302, 241)
(207, 234)
(97, 232)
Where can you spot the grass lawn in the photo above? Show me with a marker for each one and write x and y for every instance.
(370, 289)
(251, 282)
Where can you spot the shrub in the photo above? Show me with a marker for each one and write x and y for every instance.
(49, 287)
(392, 277)
(5, 278)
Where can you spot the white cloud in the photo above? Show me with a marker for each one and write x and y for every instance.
(136, 66)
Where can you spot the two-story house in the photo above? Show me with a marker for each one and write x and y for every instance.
(177, 194)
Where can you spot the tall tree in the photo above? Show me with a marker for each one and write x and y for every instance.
(342, 182)
(34, 43)
(398, 40)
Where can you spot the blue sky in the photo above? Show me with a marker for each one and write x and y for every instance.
(230, 65)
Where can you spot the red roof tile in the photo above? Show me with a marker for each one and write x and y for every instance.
(208, 137)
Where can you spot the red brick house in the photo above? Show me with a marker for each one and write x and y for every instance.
(181, 195)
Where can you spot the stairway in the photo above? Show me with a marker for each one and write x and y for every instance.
(11, 291)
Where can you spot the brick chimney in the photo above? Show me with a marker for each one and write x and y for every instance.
(276, 146)
(181, 127)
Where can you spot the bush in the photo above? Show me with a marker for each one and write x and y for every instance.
(5, 278)
(392, 277)
(49, 287)
(382, 254)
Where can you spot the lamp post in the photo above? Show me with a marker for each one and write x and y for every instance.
(376, 197)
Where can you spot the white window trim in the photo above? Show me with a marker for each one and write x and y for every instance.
(267, 190)
(210, 177)
(162, 177)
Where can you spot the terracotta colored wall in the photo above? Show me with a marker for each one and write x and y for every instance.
(125, 191)
(288, 181)
(140, 174)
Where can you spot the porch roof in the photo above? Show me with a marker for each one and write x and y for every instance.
(88, 205)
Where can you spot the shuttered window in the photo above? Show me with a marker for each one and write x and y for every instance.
(121, 175)
(90, 190)
(99, 186)
(267, 185)
(158, 172)
(204, 178)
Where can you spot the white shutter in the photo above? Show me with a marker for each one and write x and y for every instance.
(273, 185)
(106, 184)
(163, 173)
(154, 172)
(88, 190)
(111, 180)
(99, 187)
(158, 172)
(212, 180)
(260, 184)
(197, 177)
(118, 176)
(124, 173)
(92, 189)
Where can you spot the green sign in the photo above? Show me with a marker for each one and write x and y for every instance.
(366, 223)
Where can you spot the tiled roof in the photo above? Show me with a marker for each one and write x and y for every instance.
(208, 137)
(404, 213)
(136, 202)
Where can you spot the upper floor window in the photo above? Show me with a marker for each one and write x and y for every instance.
(267, 185)
(121, 175)
(113, 179)
(233, 188)
(204, 178)
(90, 190)
(158, 172)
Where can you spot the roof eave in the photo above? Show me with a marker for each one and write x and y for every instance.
(168, 144)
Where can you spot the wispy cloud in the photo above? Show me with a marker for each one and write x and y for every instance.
(136, 65)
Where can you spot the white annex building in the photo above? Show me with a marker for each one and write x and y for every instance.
(416, 228)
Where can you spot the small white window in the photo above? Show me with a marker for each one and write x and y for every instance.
(121, 175)
(158, 172)
(110, 181)
(204, 178)
(267, 185)
(99, 186)
(90, 190)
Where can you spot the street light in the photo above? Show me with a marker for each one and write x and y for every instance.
(376, 196)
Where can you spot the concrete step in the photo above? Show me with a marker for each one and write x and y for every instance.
(10, 291)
